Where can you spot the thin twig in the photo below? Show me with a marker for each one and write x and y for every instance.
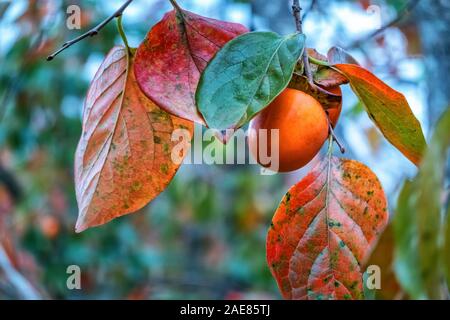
(311, 8)
(94, 31)
(296, 11)
(409, 7)
(333, 135)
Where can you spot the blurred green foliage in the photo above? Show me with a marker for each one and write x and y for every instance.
(420, 223)
(203, 238)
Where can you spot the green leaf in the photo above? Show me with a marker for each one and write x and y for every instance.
(245, 76)
(418, 223)
(447, 248)
(388, 109)
(405, 231)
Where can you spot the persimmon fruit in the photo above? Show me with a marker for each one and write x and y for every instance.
(334, 113)
(303, 129)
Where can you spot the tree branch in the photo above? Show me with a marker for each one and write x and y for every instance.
(94, 31)
(296, 11)
(409, 7)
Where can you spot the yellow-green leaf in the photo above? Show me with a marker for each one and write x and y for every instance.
(388, 109)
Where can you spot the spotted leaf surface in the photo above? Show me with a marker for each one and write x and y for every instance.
(173, 55)
(123, 159)
(324, 229)
(246, 76)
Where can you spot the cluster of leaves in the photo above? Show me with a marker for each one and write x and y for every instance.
(124, 157)
(209, 249)
(195, 69)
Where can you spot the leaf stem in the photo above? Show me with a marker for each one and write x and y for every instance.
(176, 6)
(123, 35)
(330, 145)
(296, 11)
(94, 31)
(318, 62)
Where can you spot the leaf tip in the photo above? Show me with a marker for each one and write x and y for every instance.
(80, 226)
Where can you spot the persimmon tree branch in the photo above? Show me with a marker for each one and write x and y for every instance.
(94, 31)
(296, 11)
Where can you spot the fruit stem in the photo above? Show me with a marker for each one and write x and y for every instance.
(296, 11)
(333, 136)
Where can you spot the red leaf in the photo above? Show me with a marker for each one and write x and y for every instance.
(324, 229)
(173, 55)
(123, 159)
(329, 78)
(324, 76)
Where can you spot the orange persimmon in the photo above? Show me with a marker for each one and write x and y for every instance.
(303, 129)
(334, 113)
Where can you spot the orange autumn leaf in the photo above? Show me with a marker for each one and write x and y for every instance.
(388, 109)
(123, 159)
(324, 229)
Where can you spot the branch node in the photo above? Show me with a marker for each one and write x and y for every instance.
(296, 10)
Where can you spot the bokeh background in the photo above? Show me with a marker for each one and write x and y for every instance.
(204, 237)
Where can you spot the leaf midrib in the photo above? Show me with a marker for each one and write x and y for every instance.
(111, 136)
(283, 40)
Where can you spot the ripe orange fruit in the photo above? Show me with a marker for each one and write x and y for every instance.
(303, 129)
(334, 113)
